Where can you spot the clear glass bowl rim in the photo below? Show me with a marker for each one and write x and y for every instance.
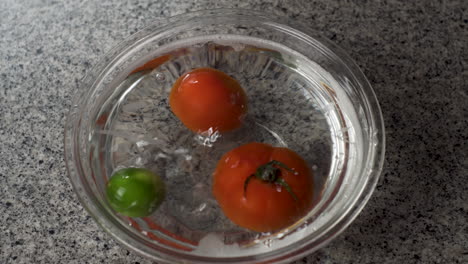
(282, 255)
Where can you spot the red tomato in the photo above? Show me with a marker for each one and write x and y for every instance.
(263, 205)
(207, 98)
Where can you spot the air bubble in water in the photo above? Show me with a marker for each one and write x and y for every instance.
(139, 161)
(268, 242)
(208, 138)
(201, 207)
(160, 155)
(280, 235)
(142, 143)
(181, 151)
(159, 76)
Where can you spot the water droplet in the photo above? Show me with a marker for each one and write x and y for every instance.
(236, 164)
(278, 188)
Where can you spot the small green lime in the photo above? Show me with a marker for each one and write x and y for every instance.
(135, 192)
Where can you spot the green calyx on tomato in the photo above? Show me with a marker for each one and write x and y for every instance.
(135, 192)
(261, 202)
(268, 173)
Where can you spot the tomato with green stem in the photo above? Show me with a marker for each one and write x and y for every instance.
(135, 192)
(207, 99)
(263, 188)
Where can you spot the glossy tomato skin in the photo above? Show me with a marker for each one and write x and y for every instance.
(206, 98)
(265, 207)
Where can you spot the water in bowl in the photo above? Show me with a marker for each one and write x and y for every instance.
(289, 105)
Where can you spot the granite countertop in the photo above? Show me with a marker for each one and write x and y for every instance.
(414, 53)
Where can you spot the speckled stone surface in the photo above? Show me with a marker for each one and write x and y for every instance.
(414, 53)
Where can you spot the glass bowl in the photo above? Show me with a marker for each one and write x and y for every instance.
(304, 93)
